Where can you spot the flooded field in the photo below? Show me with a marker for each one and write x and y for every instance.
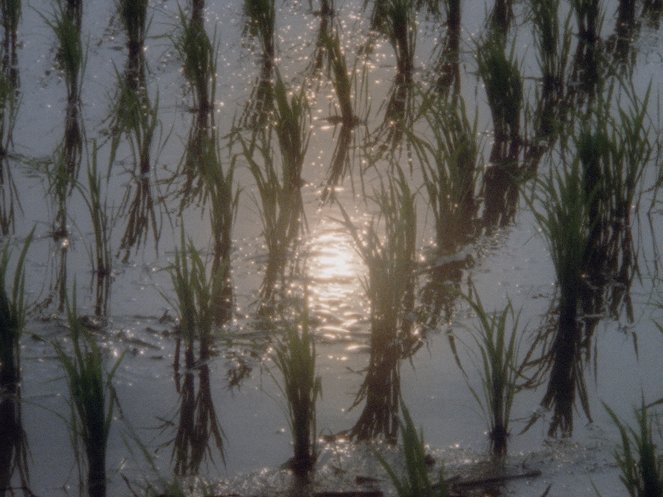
(251, 247)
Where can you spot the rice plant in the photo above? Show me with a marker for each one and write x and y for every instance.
(195, 294)
(197, 425)
(395, 19)
(10, 16)
(416, 481)
(279, 181)
(12, 316)
(260, 16)
(196, 299)
(562, 212)
(92, 400)
(134, 117)
(450, 162)
(504, 88)
(497, 340)
(198, 55)
(223, 196)
(637, 457)
(553, 47)
(589, 17)
(133, 14)
(70, 55)
(295, 358)
(102, 259)
(387, 246)
(448, 65)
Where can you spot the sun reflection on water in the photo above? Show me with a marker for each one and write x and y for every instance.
(335, 272)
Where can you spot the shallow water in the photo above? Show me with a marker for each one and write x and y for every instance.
(510, 261)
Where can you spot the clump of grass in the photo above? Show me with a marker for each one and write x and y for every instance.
(390, 288)
(416, 481)
(640, 465)
(295, 358)
(496, 339)
(92, 400)
(12, 316)
(450, 165)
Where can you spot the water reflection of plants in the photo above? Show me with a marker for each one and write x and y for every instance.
(387, 246)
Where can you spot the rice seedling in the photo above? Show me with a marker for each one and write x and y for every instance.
(504, 88)
(10, 16)
(341, 79)
(223, 197)
(416, 481)
(133, 14)
(450, 163)
(12, 316)
(449, 52)
(589, 18)
(279, 189)
(70, 55)
(8, 111)
(197, 296)
(637, 457)
(101, 256)
(260, 17)
(562, 212)
(135, 117)
(553, 47)
(500, 16)
(14, 455)
(295, 356)
(497, 340)
(194, 298)
(198, 55)
(395, 19)
(92, 400)
(390, 288)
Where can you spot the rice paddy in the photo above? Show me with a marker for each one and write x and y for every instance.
(213, 212)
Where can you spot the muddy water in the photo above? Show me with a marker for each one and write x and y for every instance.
(506, 261)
